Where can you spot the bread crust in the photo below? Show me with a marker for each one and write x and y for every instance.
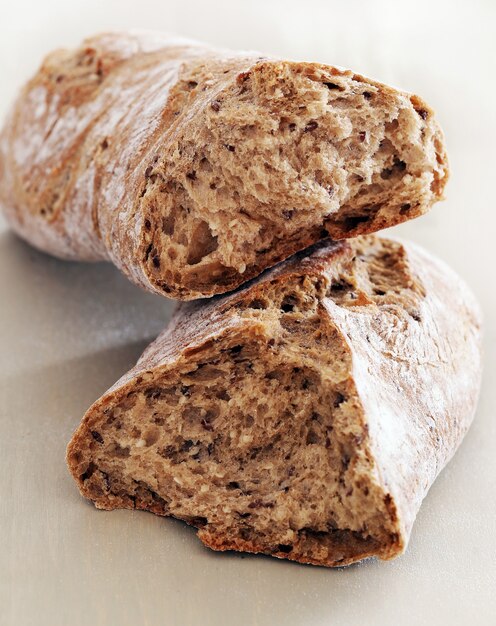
(412, 330)
(112, 146)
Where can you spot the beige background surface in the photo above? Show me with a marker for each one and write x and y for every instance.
(68, 331)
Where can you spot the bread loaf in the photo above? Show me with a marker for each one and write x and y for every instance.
(304, 416)
(194, 169)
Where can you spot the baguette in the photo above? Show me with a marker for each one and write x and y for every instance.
(304, 416)
(194, 169)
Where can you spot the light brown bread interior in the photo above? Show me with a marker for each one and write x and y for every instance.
(285, 155)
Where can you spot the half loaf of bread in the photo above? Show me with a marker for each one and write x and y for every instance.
(304, 416)
(194, 169)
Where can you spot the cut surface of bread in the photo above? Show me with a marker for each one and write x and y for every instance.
(304, 416)
(194, 169)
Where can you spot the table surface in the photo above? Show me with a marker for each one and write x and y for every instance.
(68, 331)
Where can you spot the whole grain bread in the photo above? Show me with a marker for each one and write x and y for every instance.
(304, 416)
(193, 169)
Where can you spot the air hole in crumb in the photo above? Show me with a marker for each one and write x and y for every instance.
(399, 164)
(118, 451)
(338, 400)
(340, 286)
(168, 225)
(192, 413)
(333, 86)
(233, 485)
(205, 372)
(212, 413)
(312, 437)
(152, 392)
(223, 395)
(151, 436)
(147, 251)
(353, 221)
(206, 425)
(312, 125)
(90, 470)
(391, 127)
(284, 548)
(257, 304)
(96, 436)
(288, 304)
(202, 243)
(405, 208)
